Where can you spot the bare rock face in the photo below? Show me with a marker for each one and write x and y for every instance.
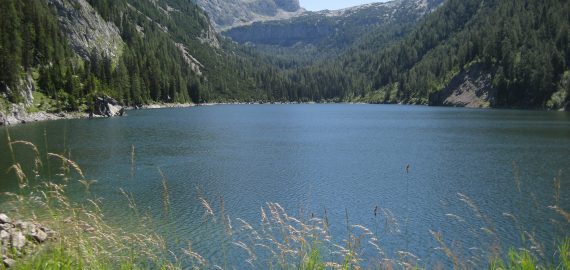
(288, 5)
(227, 14)
(331, 28)
(108, 107)
(471, 88)
(86, 30)
(26, 89)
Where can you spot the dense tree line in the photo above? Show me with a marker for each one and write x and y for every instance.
(30, 38)
(525, 45)
(151, 66)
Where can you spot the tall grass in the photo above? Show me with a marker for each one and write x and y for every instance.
(278, 240)
(84, 240)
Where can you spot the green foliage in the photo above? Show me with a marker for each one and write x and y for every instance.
(50, 259)
(560, 99)
(523, 260)
(525, 45)
(10, 42)
(313, 261)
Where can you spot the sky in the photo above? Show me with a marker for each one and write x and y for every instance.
(315, 5)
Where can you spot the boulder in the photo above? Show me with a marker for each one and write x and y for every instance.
(18, 240)
(4, 238)
(40, 236)
(106, 106)
(4, 219)
(9, 263)
(25, 227)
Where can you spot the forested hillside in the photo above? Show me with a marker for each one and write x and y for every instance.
(167, 52)
(496, 53)
(465, 53)
(524, 45)
(324, 34)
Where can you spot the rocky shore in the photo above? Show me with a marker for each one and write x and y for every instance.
(23, 118)
(165, 105)
(18, 113)
(19, 238)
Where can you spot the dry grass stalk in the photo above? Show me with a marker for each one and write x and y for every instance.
(446, 250)
(209, 212)
(517, 174)
(133, 161)
(165, 192)
(37, 159)
(561, 211)
(557, 187)
(22, 178)
(69, 162)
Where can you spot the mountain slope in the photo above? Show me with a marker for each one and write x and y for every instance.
(338, 28)
(135, 51)
(228, 14)
(313, 36)
(494, 53)
(522, 45)
(465, 53)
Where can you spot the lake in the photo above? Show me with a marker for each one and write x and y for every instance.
(347, 159)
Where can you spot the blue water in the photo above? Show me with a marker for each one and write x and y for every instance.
(342, 158)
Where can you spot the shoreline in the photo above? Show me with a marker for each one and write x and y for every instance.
(25, 118)
(18, 115)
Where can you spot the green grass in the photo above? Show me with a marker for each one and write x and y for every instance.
(523, 260)
(41, 103)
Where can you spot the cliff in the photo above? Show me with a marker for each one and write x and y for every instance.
(86, 30)
(336, 28)
(228, 14)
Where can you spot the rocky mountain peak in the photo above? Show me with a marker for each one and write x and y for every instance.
(288, 5)
(228, 14)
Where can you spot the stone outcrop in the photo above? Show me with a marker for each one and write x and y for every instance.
(108, 107)
(192, 62)
(27, 87)
(86, 30)
(19, 238)
(472, 88)
(18, 114)
(288, 5)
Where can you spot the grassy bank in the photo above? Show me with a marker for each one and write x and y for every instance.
(278, 240)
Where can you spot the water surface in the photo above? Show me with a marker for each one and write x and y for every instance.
(345, 158)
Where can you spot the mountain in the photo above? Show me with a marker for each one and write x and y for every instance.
(314, 36)
(137, 52)
(339, 28)
(513, 54)
(228, 14)
(477, 53)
